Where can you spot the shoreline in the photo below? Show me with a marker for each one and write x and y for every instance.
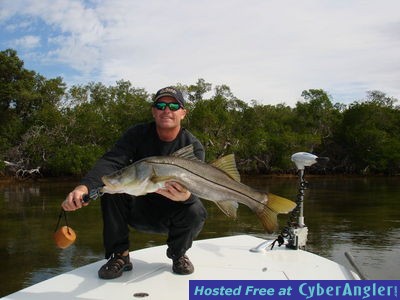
(12, 179)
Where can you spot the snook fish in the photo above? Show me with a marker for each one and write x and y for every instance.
(218, 182)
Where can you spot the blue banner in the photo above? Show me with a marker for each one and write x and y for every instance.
(293, 289)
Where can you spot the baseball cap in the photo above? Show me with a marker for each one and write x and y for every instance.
(170, 92)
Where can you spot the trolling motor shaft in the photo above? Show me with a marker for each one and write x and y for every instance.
(296, 232)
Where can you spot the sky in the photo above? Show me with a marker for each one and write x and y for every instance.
(263, 50)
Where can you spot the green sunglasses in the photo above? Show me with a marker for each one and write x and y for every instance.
(163, 105)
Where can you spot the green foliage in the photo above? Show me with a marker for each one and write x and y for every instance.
(11, 78)
(214, 121)
(74, 159)
(101, 113)
(370, 137)
(196, 91)
(64, 131)
(316, 117)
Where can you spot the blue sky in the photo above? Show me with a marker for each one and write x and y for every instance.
(268, 51)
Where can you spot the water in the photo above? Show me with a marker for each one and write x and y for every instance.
(360, 215)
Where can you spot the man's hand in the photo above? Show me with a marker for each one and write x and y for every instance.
(74, 199)
(174, 191)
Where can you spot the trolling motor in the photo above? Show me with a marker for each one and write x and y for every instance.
(302, 160)
(296, 232)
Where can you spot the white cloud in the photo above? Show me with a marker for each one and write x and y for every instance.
(27, 42)
(265, 50)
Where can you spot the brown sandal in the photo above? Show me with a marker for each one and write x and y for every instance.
(182, 266)
(115, 266)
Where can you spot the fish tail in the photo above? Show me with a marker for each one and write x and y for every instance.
(274, 206)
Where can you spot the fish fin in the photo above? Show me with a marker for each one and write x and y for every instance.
(279, 204)
(269, 219)
(228, 207)
(269, 214)
(185, 152)
(158, 179)
(228, 165)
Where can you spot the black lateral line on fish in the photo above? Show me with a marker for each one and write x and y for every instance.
(196, 174)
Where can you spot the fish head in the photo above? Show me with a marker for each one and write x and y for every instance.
(121, 181)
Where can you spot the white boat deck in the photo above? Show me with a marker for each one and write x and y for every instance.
(214, 259)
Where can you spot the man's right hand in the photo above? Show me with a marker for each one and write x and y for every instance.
(74, 199)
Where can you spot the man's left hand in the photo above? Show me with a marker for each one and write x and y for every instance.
(174, 191)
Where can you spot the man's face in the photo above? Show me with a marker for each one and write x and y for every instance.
(167, 119)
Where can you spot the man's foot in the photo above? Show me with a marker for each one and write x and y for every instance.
(182, 266)
(115, 266)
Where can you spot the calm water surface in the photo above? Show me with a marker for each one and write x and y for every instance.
(360, 215)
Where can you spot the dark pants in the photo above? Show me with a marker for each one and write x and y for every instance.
(182, 221)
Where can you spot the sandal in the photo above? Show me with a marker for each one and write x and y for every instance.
(115, 266)
(182, 266)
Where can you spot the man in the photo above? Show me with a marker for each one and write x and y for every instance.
(171, 210)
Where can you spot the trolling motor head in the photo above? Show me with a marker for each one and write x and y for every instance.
(305, 159)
